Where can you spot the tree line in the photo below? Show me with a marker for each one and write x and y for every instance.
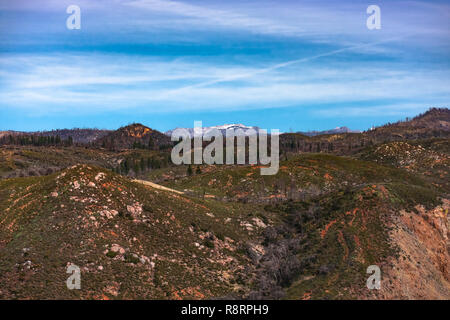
(130, 166)
(33, 140)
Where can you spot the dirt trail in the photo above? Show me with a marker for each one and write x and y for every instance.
(157, 186)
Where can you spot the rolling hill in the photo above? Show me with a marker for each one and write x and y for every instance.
(339, 203)
(130, 241)
(135, 136)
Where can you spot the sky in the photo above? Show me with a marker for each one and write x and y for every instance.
(291, 65)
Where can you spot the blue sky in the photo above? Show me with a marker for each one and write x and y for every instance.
(288, 65)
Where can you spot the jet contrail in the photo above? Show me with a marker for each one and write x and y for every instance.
(282, 65)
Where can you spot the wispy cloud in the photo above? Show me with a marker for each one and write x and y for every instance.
(399, 109)
(150, 84)
(216, 17)
(316, 20)
(283, 65)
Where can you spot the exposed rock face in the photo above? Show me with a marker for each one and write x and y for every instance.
(135, 210)
(422, 270)
(109, 213)
(117, 248)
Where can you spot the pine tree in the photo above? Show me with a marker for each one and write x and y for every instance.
(330, 147)
(126, 166)
(149, 163)
(156, 164)
(151, 143)
(136, 167)
(189, 170)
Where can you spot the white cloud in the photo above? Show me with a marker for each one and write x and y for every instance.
(285, 64)
(315, 20)
(52, 5)
(215, 17)
(34, 72)
(399, 109)
(96, 83)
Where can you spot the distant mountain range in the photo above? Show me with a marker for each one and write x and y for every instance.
(236, 128)
(433, 123)
(244, 129)
(331, 131)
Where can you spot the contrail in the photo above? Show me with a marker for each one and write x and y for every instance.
(282, 65)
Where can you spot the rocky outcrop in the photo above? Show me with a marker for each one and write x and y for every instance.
(422, 268)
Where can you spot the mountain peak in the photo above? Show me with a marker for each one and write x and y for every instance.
(135, 127)
(222, 128)
(434, 114)
(132, 135)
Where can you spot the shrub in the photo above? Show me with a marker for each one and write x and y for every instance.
(111, 254)
(208, 243)
(131, 258)
(147, 208)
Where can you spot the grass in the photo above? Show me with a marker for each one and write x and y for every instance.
(69, 228)
(299, 178)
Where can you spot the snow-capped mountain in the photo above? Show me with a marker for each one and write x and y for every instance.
(236, 128)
